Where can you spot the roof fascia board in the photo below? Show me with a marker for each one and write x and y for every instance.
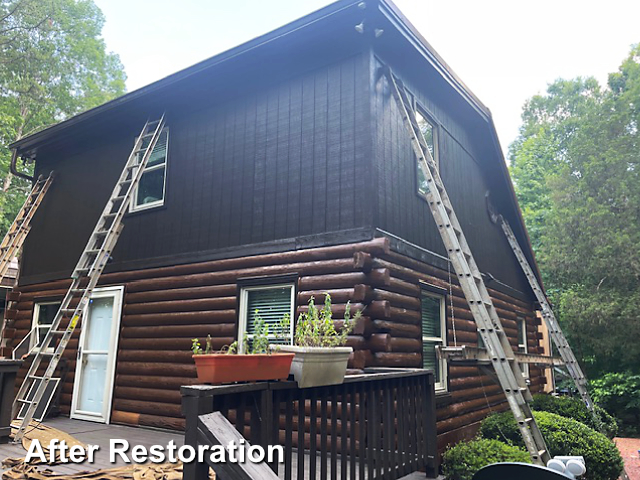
(391, 12)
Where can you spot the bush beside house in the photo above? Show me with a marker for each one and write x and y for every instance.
(570, 407)
(463, 460)
(564, 436)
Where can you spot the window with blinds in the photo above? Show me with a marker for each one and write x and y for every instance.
(150, 190)
(270, 303)
(433, 334)
(522, 344)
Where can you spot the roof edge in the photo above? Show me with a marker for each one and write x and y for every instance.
(291, 27)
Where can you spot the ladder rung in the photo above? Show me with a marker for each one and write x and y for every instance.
(118, 198)
(26, 402)
(34, 377)
(58, 332)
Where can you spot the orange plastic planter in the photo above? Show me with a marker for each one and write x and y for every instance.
(224, 368)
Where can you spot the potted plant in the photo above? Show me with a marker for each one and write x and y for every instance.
(321, 357)
(259, 362)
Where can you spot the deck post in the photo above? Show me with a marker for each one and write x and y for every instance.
(195, 402)
(430, 426)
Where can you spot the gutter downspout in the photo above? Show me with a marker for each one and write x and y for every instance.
(13, 169)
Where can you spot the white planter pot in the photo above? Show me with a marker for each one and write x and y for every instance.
(318, 366)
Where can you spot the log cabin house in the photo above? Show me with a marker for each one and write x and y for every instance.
(284, 172)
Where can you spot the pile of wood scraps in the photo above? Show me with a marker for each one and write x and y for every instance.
(18, 469)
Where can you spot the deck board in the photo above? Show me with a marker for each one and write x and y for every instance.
(98, 434)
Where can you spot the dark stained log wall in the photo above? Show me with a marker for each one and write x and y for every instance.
(164, 308)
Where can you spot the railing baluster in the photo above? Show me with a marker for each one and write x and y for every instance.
(362, 405)
(344, 441)
(370, 432)
(389, 420)
(313, 418)
(288, 434)
(420, 424)
(403, 426)
(323, 433)
(301, 432)
(334, 433)
(353, 405)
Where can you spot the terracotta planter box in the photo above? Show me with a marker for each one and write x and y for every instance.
(318, 366)
(225, 368)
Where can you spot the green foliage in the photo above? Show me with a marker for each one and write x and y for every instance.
(575, 408)
(564, 436)
(315, 328)
(463, 460)
(619, 394)
(53, 64)
(576, 174)
(259, 343)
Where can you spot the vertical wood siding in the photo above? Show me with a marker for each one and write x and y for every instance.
(402, 212)
(282, 162)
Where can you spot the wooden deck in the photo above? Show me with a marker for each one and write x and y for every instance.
(97, 434)
(100, 434)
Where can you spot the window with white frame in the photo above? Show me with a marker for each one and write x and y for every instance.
(43, 315)
(149, 192)
(522, 344)
(269, 303)
(429, 135)
(434, 333)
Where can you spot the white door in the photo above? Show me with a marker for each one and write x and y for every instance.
(93, 384)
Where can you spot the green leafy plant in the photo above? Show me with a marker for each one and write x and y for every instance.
(315, 327)
(619, 394)
(574, 408)
(564, 436)
(258, 344)
(463, 460)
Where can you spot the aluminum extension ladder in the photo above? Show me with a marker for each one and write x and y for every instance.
(506, 367)
(569, 359)
(17, 233)
(85, 276)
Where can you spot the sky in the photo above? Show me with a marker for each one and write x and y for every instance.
(505, 51)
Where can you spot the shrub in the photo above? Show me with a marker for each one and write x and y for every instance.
(564, 436)
(463, 460)
(619, 394)
(575, 408)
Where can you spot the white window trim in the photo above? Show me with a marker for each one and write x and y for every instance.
(35, 327)
(133, 207)
(523, 347)
(243, 311)
(440, 386)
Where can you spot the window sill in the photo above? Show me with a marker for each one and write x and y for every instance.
(139, 211)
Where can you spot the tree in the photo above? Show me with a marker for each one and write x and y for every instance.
(575, 168)
(53, 64)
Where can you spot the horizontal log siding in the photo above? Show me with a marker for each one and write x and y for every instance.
(164, 308)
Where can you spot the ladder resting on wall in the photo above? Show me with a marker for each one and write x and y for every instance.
(84, 279)
(506, 367)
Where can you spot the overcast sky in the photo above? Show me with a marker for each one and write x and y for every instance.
(505, 51)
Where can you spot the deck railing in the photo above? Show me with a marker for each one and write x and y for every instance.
(378, 425)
